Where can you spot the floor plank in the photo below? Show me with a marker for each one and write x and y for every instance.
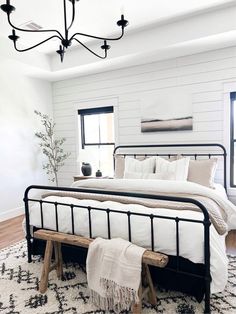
(231, 242)
(11, 232)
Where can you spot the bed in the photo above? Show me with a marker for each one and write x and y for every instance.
(162, 214)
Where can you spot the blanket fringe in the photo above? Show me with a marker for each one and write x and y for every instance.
(117, 298)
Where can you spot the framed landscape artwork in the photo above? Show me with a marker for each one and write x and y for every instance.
(167, 112)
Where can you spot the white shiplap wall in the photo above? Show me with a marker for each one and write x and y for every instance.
(202, 75)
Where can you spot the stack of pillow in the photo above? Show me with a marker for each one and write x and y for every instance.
(179, 168)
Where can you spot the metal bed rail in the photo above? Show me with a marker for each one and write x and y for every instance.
(205, 222)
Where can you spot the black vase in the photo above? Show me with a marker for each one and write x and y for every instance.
(98, 173)
(86, 169)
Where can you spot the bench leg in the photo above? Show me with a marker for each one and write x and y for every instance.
(152, 293)
(46, 267)
(137, 308)
(58, 259)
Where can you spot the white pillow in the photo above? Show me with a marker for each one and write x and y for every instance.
(140, 175)
(173, 170)
(141, 166)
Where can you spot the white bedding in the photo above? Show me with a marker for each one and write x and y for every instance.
(167, 187)
(220, 190)
(191, 235)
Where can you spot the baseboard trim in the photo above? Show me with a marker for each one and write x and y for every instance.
(11, 213)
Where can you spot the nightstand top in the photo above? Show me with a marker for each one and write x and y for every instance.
(81, 177)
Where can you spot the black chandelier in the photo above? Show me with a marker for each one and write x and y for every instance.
(65, 41)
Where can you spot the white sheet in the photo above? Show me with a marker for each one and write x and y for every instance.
(220, 190)
(191, 235)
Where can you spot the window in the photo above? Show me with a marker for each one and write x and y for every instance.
(233, 139)
(97, 138)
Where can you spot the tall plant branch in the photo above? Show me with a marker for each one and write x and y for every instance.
(51, 147)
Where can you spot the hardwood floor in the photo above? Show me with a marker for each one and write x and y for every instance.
(11, 232)
(231, 242)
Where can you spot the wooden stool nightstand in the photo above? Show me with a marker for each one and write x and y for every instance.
(79, 177)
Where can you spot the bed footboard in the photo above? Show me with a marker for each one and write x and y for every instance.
(205, 222)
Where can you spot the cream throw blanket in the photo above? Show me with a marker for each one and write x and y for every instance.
(113, 273)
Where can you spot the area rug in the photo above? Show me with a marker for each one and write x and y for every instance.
(19, 293)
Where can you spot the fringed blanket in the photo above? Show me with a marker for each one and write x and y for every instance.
(114, 273)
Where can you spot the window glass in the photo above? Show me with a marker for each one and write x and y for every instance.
(233, 140)
(91, 129)
(98, 128)
(97, 136)
(234, 165)
(107, 128)
(100, 157)
(234, 117)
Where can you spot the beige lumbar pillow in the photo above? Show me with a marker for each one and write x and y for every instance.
(203, 171)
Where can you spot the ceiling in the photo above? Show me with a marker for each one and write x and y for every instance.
(158, 30)
(96, 17)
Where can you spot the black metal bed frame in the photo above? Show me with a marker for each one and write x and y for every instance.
(205, 221)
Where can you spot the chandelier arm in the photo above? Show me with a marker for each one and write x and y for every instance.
(73, 15)
(40, 43)
(33, 31)
(97, 37)
(65, 41)
(97, 55)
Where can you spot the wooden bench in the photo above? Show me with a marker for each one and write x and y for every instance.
(55, 239)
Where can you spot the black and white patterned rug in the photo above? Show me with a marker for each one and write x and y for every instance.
(19, 290)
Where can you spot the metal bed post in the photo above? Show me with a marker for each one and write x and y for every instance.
(207, 224)
(27, 221)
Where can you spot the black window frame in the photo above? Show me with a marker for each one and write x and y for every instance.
(232, 139)
(93, 111)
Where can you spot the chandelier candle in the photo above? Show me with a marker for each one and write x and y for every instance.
(66, 40)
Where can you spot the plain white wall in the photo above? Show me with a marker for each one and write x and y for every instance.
(20, 156)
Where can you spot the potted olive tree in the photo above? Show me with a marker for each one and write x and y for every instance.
(51, 147)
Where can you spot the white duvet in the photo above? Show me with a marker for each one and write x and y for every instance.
(191, 234)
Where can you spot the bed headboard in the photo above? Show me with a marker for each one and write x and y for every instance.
(194, 151)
